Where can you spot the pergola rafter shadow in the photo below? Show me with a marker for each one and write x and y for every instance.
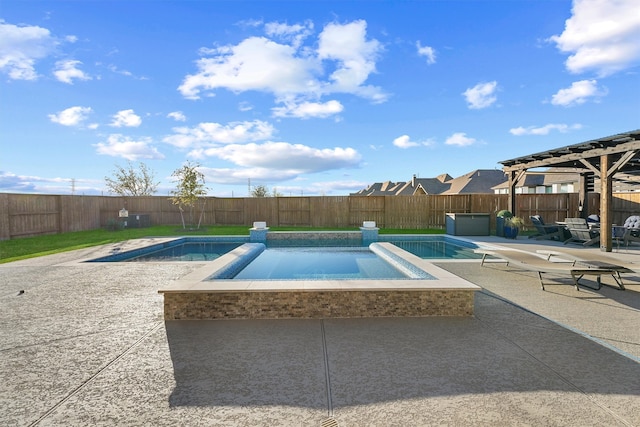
(603, 158)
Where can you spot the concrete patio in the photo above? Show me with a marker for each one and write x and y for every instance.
(85, 344)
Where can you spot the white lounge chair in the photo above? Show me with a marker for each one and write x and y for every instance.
(532, 262)
(591, 259)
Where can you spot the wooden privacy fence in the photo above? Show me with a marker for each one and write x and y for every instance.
(24, 215)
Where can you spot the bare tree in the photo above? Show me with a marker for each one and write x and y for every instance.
(132, 182)
(190, 188)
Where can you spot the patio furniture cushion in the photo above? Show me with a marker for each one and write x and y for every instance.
(632, 222)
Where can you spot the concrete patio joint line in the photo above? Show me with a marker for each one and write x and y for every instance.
(326, 369)
(95, 375)
(589, 396)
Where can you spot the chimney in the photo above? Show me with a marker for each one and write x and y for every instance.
(413, 181)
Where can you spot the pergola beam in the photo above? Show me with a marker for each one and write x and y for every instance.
(549, 159)
(603, 157)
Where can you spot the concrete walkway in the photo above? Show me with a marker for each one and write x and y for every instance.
(85, 344)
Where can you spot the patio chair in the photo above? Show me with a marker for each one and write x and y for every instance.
(591, 259)
(593, 220)
(628, 232)
(532, 262)
(581, 232)
(545, 231)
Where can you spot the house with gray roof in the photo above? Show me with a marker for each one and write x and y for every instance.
(477, 181)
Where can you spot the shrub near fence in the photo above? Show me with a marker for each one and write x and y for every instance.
(24, 215)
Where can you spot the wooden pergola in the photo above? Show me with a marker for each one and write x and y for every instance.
(601, 158)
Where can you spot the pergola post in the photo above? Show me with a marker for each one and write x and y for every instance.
(512, 191)
(583, 194)
(606, 188)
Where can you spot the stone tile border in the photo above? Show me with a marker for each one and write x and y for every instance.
(317, 304)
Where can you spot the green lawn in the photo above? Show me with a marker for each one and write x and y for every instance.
(30, 247)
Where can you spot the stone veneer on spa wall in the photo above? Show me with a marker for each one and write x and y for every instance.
(435, 292)
(317, 304)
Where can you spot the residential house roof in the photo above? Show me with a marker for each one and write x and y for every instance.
(477, 181)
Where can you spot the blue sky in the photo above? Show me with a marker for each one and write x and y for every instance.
(307, 97)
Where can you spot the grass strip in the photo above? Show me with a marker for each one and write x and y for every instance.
(31, 247)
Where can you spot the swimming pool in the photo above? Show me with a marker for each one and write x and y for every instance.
(214, 291)
(317, 263)
(210, 248)
(181, 249)
(435, 247)
(189, 251)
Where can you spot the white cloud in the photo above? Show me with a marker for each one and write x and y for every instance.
(427, 52)
(256, 63)
(12, 183)
(241, 175)
(67, 70)
(307, 110)
(245, 106)
(601, 35)
(481, 95)
(122, 146)
(72, 116)
(355, 56)
(291, 70)
(329, 187)
(211, 134)
(126, 118)
(284, 156)
(21, 47)
(460, 139)
(544, 130)
(577, 93)
(294, 33)
(405, 142)
(127, 73)
(178, 116)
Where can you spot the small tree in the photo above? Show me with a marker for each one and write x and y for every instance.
(260, 191)
(190, 187)
(131, 182)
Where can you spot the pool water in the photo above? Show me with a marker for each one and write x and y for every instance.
(318, 263)
(306, 243)
(188, 252)
(211, 248)
(438, 248)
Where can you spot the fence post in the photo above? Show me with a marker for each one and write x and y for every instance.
(5, 224)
